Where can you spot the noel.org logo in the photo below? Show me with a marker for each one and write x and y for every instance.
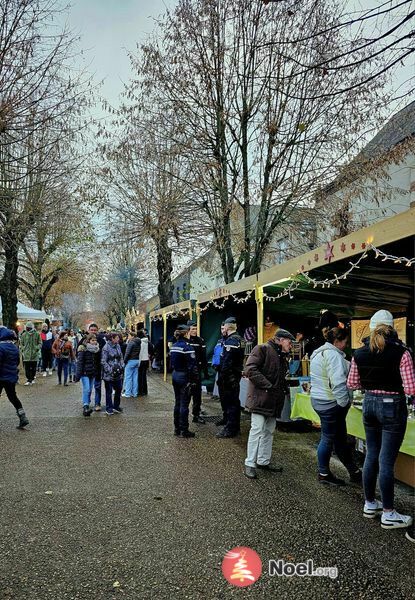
(241, 566)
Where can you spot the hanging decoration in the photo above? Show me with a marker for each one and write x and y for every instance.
(184, 312)
(285, 292)
(221, 305)
(408, 262)
(336, 279)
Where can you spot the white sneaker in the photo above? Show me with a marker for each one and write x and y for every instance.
(44, 374)
(28, 383)
(50, 372)
(372, 509)
(393, 520)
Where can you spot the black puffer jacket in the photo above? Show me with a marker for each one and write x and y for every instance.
(88, 363)
(133, 350)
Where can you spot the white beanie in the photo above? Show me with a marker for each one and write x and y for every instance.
(382, 317)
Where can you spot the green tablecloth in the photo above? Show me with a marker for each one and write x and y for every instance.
(302, 408)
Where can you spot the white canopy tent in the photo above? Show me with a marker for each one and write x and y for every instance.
(25, 313)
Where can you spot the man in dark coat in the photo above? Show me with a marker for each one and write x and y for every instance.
(229, 377)
(266, 369)
(199, 346)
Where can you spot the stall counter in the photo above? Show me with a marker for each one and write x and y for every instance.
(302, 408)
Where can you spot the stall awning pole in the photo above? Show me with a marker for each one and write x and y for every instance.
(259, 297)
(198, 319)
(165, 345)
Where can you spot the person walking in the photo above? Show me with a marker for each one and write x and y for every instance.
(199, 346)
(72, 363)
(30, 345)
(183, 363)
(46, 336)
(230, 373)
(9, 372)
(384, 368)
(132, 363)
(63, 351)
(88, 368)
(112, 371)
(146, 350)
(331, 400)
(266, 368)
(101, 339)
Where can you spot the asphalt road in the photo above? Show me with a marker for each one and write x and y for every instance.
(89, 503)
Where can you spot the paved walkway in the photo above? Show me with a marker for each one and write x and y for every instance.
(86, 503)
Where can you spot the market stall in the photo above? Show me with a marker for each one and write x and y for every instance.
(236, 299)
(355, 276)
(26, 313)
(164, 322)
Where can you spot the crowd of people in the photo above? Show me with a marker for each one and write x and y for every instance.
(118, 359)
(383, 368)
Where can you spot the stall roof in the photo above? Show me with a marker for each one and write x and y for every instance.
(173, 308)
(384, 232)
(375, 285)
(236, 287)
(26, 313)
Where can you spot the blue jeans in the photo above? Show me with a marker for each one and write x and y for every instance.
(131, 377)
(115, 385)
(334, 435)
(63, 365)
(182, 396)
(384, 418)
(87, 387)
(72, 367)
(97, 386)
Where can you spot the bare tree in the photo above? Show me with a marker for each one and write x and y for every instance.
(259, 139)
(148, 183)
(41, 104)
(386, 31)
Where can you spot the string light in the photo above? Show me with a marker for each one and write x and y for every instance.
(285, 292)
(408, 262)
(335, 280)
(396, 259)
(221, 306)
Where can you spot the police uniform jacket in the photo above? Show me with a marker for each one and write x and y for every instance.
(231, 363)
(182, 357)
(199, 346)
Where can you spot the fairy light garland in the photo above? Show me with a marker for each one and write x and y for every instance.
(408, 262)
(221, 306)
(295, 284)
(285, 292)
(184, 312)
(337, 278)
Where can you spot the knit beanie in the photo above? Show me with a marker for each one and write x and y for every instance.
(381, 317)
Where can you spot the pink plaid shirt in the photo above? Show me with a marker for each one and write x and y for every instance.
(406, 368)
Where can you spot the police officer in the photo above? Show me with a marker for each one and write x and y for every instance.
(216, 358)
(183, 363)
(199, 346)
(230, 373)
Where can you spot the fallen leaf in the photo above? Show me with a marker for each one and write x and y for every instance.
(49, 493)
(116, 584)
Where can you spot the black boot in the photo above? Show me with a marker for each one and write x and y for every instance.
(177, 431)
(23, 420)
(197, 419)
(87, 411)
(188, 434)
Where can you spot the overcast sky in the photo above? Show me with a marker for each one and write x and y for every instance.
(108, 28)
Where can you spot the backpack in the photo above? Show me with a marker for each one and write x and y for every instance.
(65, 352)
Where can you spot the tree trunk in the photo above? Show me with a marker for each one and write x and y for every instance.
(9, 284)
(164, 270)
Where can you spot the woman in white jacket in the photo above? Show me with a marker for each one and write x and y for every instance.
(331, 401)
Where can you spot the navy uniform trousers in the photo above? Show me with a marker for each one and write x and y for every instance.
(182, 397)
